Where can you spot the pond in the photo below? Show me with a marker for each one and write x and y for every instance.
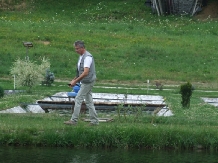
(73, 155)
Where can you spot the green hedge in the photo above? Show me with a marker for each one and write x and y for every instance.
(1, 92)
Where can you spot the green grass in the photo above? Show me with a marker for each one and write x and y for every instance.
(127, 41)
(130, 46)
(187, 129)
(48, 130)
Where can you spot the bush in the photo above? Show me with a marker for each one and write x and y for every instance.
(49, 78)
(186, 92)
(29, 73)
(1, 92)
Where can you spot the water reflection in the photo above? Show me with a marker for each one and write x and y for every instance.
(72, 155)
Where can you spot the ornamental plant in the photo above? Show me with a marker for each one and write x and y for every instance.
(29, 73)
(1, 92)
(186, 92)
(49, 78)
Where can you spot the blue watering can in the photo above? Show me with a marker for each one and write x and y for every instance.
(75, 89)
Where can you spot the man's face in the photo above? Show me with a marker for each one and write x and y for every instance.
(79, 50)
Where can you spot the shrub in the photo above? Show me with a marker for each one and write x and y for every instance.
(186, 92)
(1, 92)
(49, 78)
(29, 73)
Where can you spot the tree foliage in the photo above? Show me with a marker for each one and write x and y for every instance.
(186, 92)
(1, 92)
(49, 78)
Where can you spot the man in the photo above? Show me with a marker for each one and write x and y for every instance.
(86, 75)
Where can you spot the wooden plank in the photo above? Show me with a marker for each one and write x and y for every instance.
(101, 120)
(135, 103)
(46, 105)
(120, 96)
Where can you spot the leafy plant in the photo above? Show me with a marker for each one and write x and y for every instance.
(29, 73)
(119, 108)
(1, 92)
(129, 113)
(186, 92)
(49, 78)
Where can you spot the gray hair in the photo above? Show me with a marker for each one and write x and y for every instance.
(79, 43)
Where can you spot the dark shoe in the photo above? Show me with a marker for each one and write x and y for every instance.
(70, 123)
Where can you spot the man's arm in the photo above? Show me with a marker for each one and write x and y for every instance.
(84, 74)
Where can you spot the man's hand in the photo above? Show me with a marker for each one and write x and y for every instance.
(77, 79)
(73, 83)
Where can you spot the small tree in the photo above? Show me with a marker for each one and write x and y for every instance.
(28, 73)
(49, 78)
(1, 92)
(186, 92)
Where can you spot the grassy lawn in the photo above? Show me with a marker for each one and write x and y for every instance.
(127, 41)
(194, 127)
(130, 45)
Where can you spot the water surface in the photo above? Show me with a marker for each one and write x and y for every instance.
(72, 155)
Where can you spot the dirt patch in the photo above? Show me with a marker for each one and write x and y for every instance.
(209, 12)
(44, 42)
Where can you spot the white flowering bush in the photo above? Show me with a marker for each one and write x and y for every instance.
(29, 73)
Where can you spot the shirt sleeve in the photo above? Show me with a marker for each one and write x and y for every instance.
(87, 61)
